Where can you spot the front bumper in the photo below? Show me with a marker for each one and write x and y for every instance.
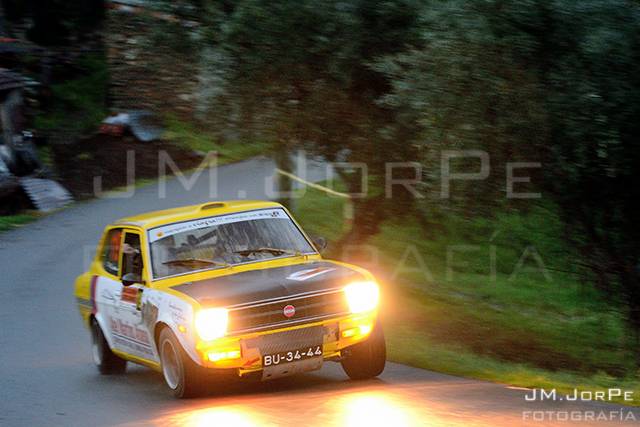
(244, 353)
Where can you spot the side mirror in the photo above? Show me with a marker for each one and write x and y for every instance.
(319, 242)
(130, 279)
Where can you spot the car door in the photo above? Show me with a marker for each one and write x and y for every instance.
(107, 288)
(119, 306)
(133, 334)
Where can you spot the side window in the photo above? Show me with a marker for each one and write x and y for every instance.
(132, 257)
(111, 251)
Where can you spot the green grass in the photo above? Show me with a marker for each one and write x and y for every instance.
(411, 346)
(511, 308)
(45, 154)
(11, 221)
(191, 137)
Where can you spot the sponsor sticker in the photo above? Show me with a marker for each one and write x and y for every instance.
(130, 295)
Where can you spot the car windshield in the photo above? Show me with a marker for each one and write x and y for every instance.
(225, 240)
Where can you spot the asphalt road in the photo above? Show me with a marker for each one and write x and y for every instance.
(47, 378)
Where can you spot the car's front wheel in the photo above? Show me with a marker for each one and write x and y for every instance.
(103, 357)
(366, 359)
(181, 374)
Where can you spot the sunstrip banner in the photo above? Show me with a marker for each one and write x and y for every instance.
(171, 229)
(303, 275)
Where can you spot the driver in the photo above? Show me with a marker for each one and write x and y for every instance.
(163, 250)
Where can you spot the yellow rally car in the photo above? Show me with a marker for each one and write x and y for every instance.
(226, 287)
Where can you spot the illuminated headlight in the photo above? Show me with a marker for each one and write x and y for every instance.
(362, 296)
(211, 323)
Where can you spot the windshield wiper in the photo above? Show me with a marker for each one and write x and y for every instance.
(194, 261)
(272, 251)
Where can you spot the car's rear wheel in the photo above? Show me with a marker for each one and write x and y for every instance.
(366, 359)
(107, 362)
(184, 377)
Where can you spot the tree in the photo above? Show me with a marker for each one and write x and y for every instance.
(553, 81)
(298, 73)
(56, 21)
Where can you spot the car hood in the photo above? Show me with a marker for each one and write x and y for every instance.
(257, 285)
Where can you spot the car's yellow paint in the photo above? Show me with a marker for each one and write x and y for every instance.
(247, 362)
(139, 360)
(158, 218)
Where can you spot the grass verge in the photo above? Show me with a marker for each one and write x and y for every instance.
(495, 300)
(192, 137)
(12, 221)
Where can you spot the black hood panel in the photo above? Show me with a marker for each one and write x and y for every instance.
(258, 285)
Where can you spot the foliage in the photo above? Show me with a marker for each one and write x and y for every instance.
(297, 73)
(549, 82)
(56, 22)
(79, 104)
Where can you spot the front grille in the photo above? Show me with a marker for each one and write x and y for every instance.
(269, 315)
(287, 340)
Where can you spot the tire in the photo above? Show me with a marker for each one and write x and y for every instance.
(183, 377)
(106, 362)
(366, 359)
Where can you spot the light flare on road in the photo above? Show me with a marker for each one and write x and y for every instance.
(236, 417)
(370, 408)
(375, 409)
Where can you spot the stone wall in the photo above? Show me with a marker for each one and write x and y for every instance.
(145, 74)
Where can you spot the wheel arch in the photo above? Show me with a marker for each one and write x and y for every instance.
(184, 343)
(106, 332)
(156, 334)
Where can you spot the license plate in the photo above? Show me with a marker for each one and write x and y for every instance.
(292, 355)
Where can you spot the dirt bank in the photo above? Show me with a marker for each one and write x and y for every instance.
(105, 155)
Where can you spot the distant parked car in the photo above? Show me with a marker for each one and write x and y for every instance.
(226, 287)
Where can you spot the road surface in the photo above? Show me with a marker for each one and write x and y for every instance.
(47, 377)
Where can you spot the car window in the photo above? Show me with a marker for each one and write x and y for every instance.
(111, 251)
(225, 240)
(131, 255)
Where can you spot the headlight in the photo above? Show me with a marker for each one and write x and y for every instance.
(362, 296)
(211, 323)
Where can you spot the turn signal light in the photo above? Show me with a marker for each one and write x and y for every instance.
(358, 331)
(217, 356)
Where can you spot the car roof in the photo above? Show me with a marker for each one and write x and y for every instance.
(185, 213)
